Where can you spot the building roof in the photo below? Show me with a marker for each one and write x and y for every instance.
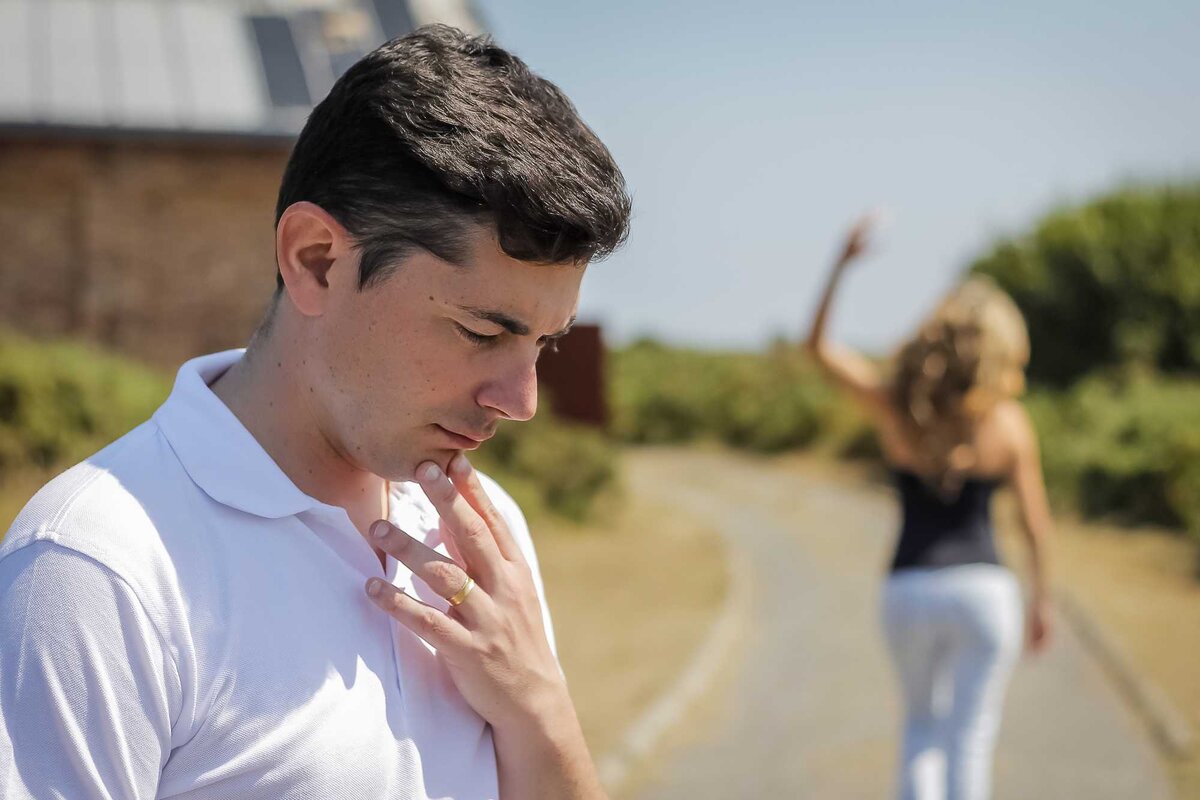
(243, 68)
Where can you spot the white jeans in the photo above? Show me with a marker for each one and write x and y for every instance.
(955, 634)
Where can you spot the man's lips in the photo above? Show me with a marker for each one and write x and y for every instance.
(465, 441)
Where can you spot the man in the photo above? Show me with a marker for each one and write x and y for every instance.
(290, 582)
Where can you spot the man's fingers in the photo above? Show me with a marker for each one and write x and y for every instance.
(443, 575)
(432, 625)
(474, 538)
(466, 480)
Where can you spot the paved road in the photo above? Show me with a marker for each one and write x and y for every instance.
(811, 711)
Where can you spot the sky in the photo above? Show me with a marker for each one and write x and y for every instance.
(752, 134)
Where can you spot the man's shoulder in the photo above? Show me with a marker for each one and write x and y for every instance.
(510, 509)
(504, 502)
(519, 528)
(103, 506)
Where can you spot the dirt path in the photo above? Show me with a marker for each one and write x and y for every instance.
(811, 711)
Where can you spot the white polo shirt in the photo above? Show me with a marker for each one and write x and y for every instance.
(177, 619)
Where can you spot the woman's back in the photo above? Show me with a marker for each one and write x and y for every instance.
(948, 527)
(940, 531)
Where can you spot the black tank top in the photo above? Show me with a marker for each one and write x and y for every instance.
(942, 533)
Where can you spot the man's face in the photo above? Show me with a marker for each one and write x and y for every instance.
(427, 362)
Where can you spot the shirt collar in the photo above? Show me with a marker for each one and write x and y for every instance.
(219, 454)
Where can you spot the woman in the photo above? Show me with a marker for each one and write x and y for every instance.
(951, 431)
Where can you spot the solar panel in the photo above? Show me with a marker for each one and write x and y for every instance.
(286, 83)
(349, 34)
(235, 66)
(394, 17)
(309, 41)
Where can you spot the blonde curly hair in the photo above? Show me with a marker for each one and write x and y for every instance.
(966, 357)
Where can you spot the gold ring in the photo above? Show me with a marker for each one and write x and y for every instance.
(462, 593)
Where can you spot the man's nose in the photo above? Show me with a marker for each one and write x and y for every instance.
(514, 394)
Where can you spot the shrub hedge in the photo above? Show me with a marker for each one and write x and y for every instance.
(62, 401)
(1124, 445)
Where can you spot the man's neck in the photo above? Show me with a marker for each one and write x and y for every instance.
(263, 391)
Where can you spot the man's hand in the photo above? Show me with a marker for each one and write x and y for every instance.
(493, 641)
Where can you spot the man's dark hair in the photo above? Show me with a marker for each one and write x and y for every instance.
(436, 133)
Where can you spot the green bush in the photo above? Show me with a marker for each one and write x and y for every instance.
(1112, 282)
(1124, 447)
(1183, 490)
(60, 402)
(548, 463)
(762, 402)
(660, 395)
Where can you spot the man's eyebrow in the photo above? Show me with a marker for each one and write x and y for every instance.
(509, 323)
(498, 318)
(564, 331)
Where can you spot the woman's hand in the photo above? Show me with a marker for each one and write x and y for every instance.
(1040, 627)
(858, 238)
(847, 368)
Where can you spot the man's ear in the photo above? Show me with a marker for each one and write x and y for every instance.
(308, 242)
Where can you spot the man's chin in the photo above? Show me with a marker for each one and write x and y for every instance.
(403, 473)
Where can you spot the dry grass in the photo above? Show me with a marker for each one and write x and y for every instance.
(626, 616)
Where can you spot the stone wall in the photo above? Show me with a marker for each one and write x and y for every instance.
(164, 251)
(160, 250)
